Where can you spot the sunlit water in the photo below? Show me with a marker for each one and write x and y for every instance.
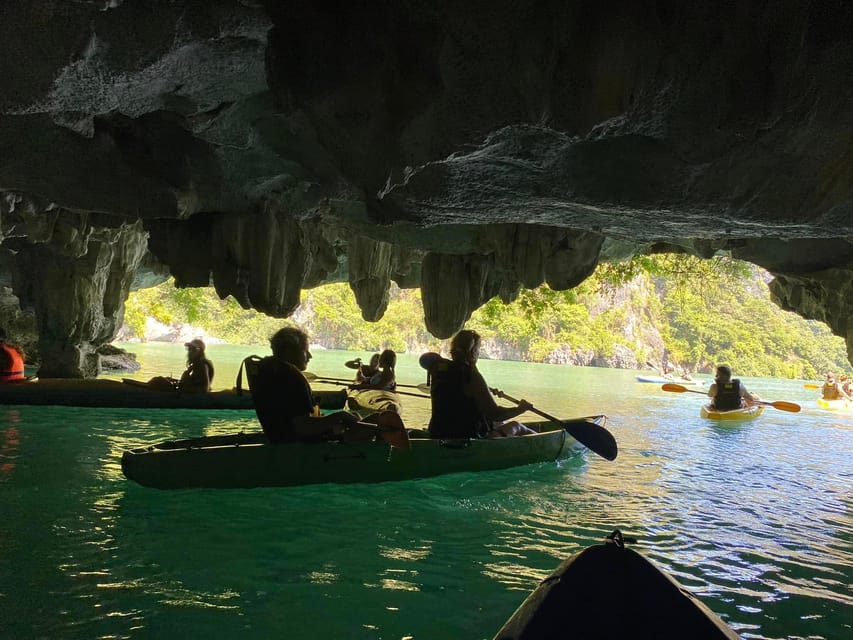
(753, 517)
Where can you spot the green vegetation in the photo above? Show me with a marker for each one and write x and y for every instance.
(698, 312)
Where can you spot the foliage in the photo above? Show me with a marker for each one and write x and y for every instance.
(695, 313)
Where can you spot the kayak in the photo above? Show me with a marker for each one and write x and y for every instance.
(134, 394)
(374, 400)
(662, 380)
(608, 591)
(835, 405)
(246, 460)
(744, 413)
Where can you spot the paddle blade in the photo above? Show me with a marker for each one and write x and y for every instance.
(811, 386)
(424, 388)
(677, 388)
(782, 405)
(590, 433)
(392, 430)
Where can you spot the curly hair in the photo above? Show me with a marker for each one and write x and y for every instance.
(288, 339)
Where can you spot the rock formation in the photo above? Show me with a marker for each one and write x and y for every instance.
(466, 148)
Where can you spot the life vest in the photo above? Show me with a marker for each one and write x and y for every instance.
(830, 391)
(728, 396)
(280, 393)
(13, 363)
(454, 415)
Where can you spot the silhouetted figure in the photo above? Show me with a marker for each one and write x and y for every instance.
(283, 398)
(384, 378)
(462, 405)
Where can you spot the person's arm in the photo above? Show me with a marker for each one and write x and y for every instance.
(712, 390)
(750, 398)
(386, 378)
(486, 405)
(332, 424)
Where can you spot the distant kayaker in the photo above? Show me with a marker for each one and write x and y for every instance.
(11, 360)
(384, 378)
(366, 371)
(283, 399)
(727, 394)
(198, 375)
(844, 381)
(831, 390)
(196, 378)
(462, 405)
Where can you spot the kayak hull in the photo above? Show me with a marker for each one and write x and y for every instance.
(834, 405)
(250, 460)
(745, 413)
(99, 392)
(608, 592)
(374, 401)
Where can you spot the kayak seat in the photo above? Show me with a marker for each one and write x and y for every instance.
(250, 365)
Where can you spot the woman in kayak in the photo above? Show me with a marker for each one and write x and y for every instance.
(385, 378)
(198, 375)
(727, 394)
(196, 378)
(462, 405)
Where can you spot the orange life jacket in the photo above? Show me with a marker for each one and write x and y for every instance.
(14, 369)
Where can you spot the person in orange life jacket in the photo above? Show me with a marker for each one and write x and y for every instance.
(727, 394)
(462, 405)
(283, 400)
(831, 390)
(385, 378)
(11, 360)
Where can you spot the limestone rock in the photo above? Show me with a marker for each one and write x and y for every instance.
(469, 150)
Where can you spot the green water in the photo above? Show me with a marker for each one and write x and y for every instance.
(753, 517)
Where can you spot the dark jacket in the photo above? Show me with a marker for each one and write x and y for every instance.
(454, 415)
(280, 393)
(728, 396)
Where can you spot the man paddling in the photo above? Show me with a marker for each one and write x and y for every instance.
(727, 394)
(283, 399)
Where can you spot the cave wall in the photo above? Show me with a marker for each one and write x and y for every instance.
(467, 148)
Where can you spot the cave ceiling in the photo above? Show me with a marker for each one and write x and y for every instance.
(466, 148)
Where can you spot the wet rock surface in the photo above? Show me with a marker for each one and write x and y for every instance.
(466, 148)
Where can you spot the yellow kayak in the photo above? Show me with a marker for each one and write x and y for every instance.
(835, 405)
(744, 413)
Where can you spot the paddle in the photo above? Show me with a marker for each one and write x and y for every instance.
(593, 436)
(808, 385)
(782, 405)
(313, 377)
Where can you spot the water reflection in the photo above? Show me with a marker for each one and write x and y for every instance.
(10, 441)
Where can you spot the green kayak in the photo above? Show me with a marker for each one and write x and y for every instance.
(250, 460)
(134, 394)
(609, 592)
